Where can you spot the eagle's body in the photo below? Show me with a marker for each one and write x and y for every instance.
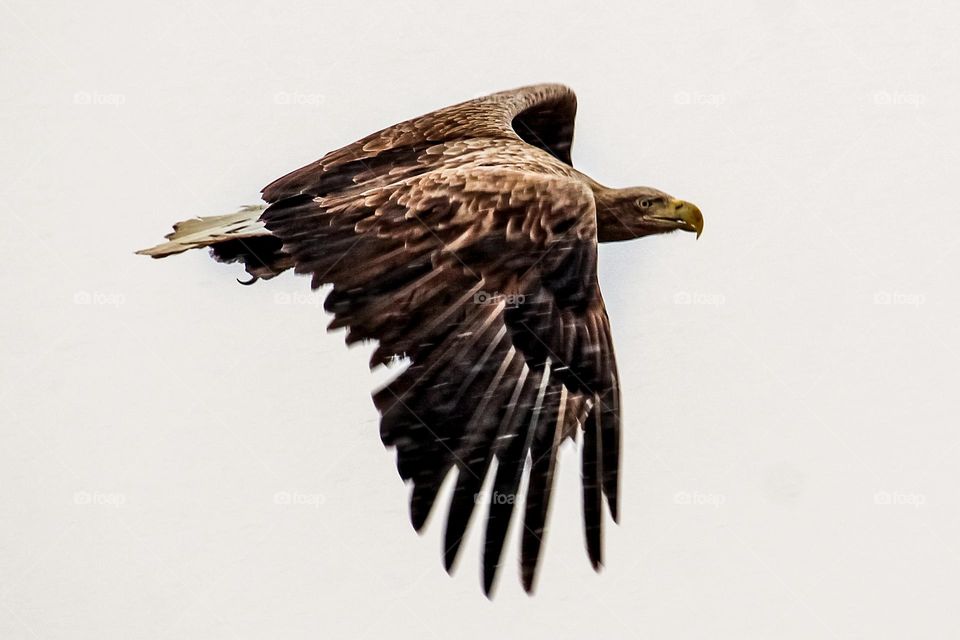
(466, 242)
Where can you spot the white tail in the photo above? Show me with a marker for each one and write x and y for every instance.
(204, 232)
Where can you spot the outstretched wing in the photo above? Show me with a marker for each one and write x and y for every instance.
(539, 115)
(485, 278)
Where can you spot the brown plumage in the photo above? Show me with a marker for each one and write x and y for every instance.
(465, 241)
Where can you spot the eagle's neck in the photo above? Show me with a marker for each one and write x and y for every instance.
(612, 220)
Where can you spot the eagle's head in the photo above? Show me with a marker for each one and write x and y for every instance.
(625, 214)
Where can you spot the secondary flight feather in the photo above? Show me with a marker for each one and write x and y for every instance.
(465, 242)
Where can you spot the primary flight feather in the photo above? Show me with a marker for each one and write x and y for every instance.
(465, 242)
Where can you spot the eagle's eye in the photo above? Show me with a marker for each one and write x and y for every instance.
(645, 204)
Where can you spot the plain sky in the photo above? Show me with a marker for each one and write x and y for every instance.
(183, 457)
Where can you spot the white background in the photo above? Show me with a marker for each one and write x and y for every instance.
(791, 453)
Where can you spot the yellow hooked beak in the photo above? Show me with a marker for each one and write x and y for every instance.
(679, 214)
(689, 214)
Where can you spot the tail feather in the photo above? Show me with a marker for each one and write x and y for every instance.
(204, 232)
(235, 237)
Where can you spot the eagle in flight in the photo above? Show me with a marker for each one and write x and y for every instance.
(464, 243)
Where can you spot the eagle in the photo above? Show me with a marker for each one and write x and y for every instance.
(463, 243)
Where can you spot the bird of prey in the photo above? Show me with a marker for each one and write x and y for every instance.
(464, 243)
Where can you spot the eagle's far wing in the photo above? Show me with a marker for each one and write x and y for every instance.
(542, 115)
(486, 280)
